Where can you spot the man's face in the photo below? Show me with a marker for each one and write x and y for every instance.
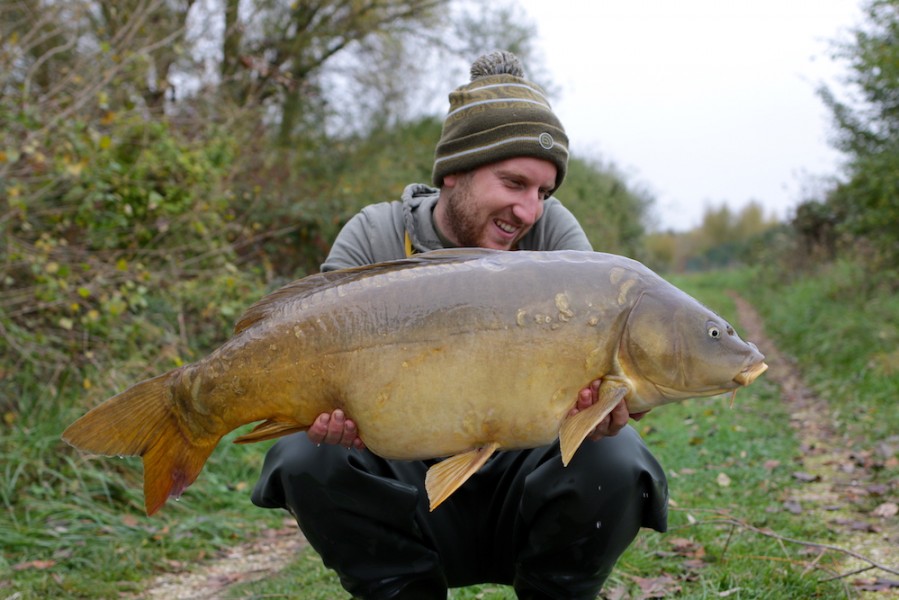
(495, 205)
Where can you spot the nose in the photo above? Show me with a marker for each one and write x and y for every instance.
(529, 209)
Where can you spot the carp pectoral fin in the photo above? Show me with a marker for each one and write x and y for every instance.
(576, 428)
(445, 477)
(268, 430)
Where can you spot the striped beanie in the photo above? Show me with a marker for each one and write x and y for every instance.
(497, 116)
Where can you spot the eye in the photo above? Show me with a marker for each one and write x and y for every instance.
(714, 332)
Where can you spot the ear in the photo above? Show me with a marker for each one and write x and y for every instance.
(450, 181)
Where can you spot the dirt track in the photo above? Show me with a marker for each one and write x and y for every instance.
(249, 561)
(833, 479)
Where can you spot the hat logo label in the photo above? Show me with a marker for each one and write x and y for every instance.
(546, 141)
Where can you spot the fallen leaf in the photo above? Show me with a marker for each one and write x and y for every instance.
(875, 585)
(687, 547)
(657, 587)
(793, 506)
(806, 477)
(723, 480)
(618, 592)
(877, 489)
(854, 525)
(129, 521)
(886, 510)
(34, 564)
(694, 564)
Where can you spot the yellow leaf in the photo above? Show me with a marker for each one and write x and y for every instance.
(87, 384)
(121, 264)
(105, 142)
(74, 168)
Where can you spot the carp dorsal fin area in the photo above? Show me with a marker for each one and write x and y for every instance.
(576, 428)
(313, 284)
(447, 476)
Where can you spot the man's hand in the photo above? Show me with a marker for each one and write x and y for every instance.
(614, 422)
(335, 428)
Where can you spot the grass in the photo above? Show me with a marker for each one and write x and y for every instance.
(73, 526)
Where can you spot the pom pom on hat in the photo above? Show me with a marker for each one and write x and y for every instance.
(497, 116)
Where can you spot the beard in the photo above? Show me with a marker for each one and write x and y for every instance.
(461, 214)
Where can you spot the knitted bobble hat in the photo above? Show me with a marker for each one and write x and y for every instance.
(497, 116)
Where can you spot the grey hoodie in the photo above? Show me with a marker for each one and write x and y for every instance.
(377, 233)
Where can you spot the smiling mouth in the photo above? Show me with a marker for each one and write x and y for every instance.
(505, 226)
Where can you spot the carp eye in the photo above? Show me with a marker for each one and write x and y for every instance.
(714, 332)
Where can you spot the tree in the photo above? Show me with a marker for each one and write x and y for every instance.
(611, 211)
(290, 42)
(866, 205)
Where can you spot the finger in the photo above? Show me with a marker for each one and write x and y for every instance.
(589, 395)
(612, 424)
(319, 428)
(334, 434)
(618, 418)
(350, 435)
(586, 398)
(583, 401)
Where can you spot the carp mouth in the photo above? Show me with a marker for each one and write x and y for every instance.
(750, 373)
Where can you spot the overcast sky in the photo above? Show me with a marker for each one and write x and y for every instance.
(702, 102)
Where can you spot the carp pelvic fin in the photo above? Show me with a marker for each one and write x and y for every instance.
(448, 475)
(575, 429)
(269, 430)
(140, 422)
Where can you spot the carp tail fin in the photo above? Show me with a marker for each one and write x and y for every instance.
(576, 428)
(445, 477)
(141, 422)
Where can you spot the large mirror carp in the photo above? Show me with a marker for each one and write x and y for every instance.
(454, 353)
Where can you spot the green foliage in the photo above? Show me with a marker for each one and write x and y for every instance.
(866, 205)
(99, 221)
(842, 324)
(611, 211)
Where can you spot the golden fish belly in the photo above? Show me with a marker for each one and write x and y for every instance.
(430, 399)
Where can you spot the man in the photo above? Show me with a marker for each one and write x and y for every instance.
(524, 519)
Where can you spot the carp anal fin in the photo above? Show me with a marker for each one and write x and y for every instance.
(269, 430)
(576, 428)
(448, 475)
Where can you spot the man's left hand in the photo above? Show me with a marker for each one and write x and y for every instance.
(614, 421)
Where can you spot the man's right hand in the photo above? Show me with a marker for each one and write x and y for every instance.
(335, 428)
